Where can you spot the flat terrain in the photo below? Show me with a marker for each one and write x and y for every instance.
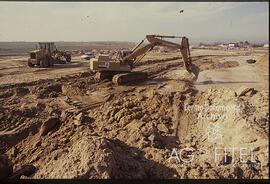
(23, 48)
(109, 131)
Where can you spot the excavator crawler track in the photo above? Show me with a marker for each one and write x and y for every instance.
(103, 75)
(131, 77)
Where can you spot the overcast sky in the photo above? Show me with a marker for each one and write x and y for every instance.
(131, 21)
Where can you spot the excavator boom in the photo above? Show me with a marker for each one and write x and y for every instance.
(156, 40)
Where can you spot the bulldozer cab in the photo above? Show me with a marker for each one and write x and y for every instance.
(46, 46)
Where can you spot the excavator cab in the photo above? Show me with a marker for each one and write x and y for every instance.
(124, 53)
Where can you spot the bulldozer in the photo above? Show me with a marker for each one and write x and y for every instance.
(46, 55)
(120, 70)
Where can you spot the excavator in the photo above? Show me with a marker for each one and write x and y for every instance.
(120, 69)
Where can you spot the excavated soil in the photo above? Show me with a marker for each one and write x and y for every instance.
(165, 127)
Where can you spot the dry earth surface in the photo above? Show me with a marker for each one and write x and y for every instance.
(70, 126)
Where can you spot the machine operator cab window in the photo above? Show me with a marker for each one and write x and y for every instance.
(51, 47)
(124, 53)
(42, 46)
(47, 46)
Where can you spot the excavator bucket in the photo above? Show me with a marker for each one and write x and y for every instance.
(185, 52)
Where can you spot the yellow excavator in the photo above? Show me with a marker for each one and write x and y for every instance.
(120, 70)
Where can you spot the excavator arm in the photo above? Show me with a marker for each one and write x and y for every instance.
(156, 40)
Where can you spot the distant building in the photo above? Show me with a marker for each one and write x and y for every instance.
(232, 45)
(266, 45)
(223, 45)
(241, 44)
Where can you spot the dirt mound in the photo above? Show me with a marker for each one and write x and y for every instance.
(90, 157)
(48, 91)
(237, 117)
(100, 130)
(6, 94)
(97, 157)
(22, 91)
(49, 125)
(263, 63)
(210, 63)
(134, 132)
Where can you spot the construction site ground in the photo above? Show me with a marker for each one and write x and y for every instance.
(152, 129)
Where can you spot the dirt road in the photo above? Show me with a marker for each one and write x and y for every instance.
(248, 75)
(15, 70)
